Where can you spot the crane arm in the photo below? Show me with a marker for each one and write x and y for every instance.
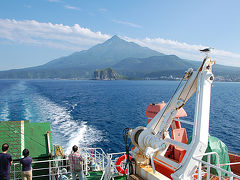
(162, 121)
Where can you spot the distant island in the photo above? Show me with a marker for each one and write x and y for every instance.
(106, 74)
(128, 59)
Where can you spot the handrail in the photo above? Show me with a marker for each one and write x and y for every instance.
(184, 121)
(40, 169)
(110, 169)
(117, 153)
(97, 155)
(110, 159)
(234, 163)
(208, 164)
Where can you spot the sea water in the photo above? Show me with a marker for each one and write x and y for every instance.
(94, 113)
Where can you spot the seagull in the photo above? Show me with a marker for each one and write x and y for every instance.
(206, 50)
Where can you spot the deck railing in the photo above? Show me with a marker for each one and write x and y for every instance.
(47, 169)
(94, 159)
(206, 174)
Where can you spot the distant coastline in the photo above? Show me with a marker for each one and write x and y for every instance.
(118, 59)
(123, 79)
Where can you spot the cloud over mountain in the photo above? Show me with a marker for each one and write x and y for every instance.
(127, 58)
(51, 35)
(187, 51)
(78, 38)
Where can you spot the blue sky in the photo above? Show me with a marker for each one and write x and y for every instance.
(33, 32)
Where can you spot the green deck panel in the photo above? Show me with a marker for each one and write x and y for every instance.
(36, 142)
(121, 177)
(96, 175)
(36, 138)
(10, 132)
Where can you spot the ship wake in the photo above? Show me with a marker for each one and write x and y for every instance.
(66, 131)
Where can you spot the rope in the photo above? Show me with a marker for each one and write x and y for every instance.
(127, 146)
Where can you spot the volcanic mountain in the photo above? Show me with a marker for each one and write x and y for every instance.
(127, 58)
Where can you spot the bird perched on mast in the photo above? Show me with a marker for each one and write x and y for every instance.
(206, 50)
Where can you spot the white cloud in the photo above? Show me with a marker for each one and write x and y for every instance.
(72, 7)
(51, 35)
(76, 38)
(187, 51)
(127, 23)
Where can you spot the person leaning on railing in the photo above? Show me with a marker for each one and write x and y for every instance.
(26, 165)
(75, 160)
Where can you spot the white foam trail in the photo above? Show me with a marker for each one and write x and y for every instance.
(27, 113)
(65, 131)
(12, 94)
(73, 106)
(5, 112)
(76, 138)
(21, 86)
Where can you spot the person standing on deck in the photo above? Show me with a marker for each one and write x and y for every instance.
(26, 165)
(5, 163)
(75, 160)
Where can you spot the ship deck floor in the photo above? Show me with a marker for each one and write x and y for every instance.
(96, 175)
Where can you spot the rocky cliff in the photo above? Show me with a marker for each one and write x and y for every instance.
(106, 74)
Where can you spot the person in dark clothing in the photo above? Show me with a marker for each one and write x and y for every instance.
(5, 163)
(26, 165)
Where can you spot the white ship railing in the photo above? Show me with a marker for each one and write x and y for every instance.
(111, 171)
(114, 157)
(94, 159)
(208, 165)
(53, 171)
(107, 164)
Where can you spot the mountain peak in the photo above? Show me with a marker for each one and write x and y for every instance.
(115, 37)
(113, 41)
